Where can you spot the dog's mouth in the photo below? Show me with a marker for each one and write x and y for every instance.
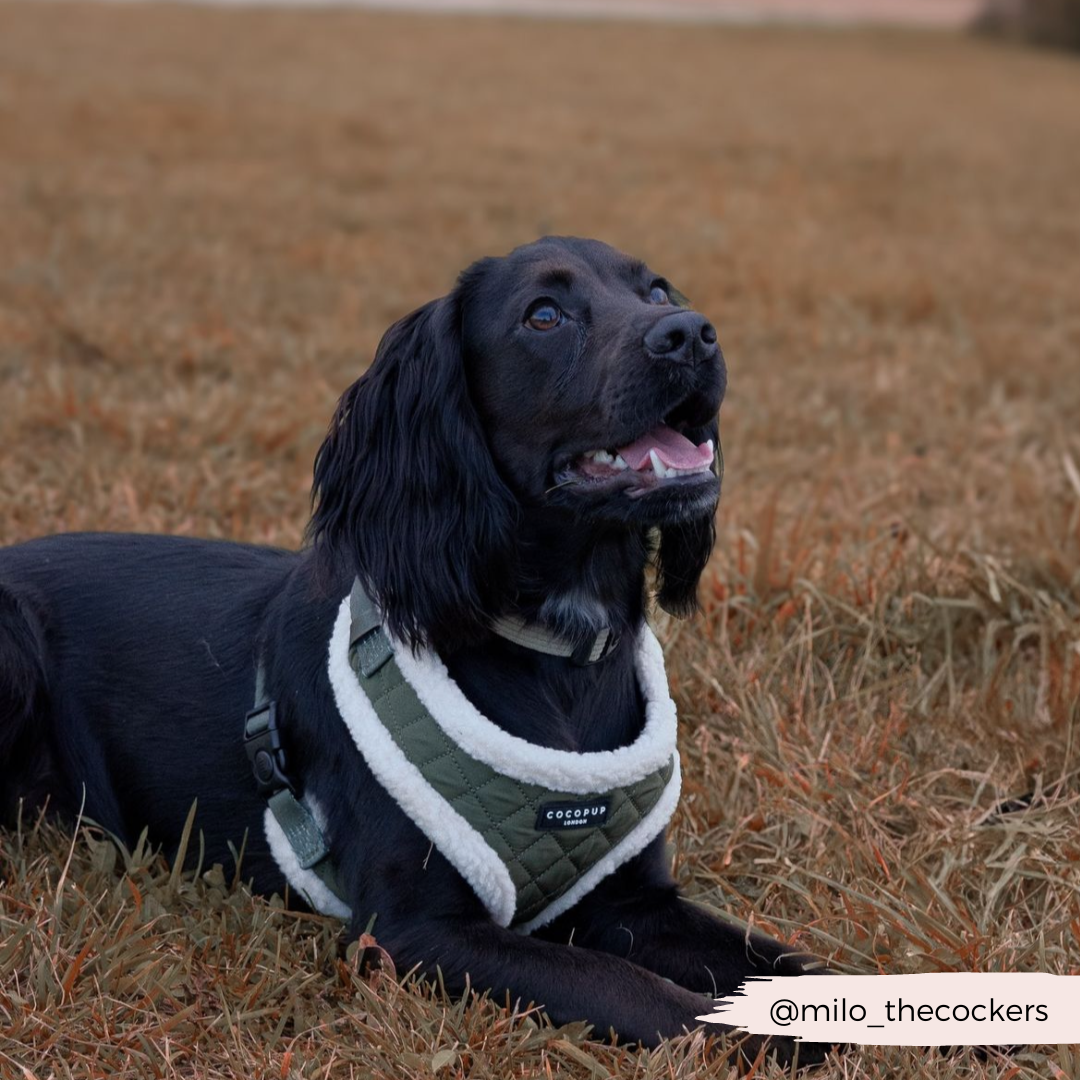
(660, 457)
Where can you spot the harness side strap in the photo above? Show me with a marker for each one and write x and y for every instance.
(300, 829)
(262, 740)
(306, 839)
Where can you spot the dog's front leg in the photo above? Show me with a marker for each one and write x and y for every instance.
(639, 914)
(570, 983)
(656, 929)
(682, 941)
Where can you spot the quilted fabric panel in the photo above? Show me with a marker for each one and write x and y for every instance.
(542, 864)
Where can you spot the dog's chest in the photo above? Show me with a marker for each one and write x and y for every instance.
(553, 704)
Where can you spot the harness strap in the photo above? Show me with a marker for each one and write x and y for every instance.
(524, 846)
(262, 741)
(372, 649)
(528, 849)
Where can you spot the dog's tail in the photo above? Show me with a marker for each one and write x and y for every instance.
(25, 760)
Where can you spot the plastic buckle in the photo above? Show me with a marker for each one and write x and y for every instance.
(262, 741)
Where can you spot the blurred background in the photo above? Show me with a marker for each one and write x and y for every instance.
(210, 214)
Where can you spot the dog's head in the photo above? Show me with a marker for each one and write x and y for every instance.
(564, 383)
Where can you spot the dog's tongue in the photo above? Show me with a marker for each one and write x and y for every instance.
(673, 449)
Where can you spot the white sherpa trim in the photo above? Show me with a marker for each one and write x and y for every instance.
(560, 770)
(306, 882)
(458, 841)
(652, 824)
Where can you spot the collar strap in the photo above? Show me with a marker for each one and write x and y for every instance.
(374, 650)
(532, 636)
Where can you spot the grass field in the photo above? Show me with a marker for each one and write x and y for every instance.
(208, 217)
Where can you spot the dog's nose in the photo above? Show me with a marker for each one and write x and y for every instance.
(684, 337)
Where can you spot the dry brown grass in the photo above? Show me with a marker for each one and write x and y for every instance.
(206, 220)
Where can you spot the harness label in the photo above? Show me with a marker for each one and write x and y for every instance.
(573, 815)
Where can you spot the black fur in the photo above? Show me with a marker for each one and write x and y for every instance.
(448, 482)
(406, 436)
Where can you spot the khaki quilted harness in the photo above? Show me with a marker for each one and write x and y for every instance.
(531, 829)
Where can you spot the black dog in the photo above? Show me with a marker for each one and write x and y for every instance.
(500, 481)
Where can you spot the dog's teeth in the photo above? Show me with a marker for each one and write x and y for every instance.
(619, 462)
(601, 457)
(712, 446)
(657, 464)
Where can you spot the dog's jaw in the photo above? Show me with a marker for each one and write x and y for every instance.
(654, 471)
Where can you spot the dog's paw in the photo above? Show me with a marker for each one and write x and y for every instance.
(770, 957)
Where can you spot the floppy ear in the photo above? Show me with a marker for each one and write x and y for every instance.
(406, 492)
(685, 547)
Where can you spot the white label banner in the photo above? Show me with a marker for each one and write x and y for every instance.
(937, 1009)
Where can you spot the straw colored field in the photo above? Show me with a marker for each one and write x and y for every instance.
(208, 217)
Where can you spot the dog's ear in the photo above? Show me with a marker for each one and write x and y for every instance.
(406, 491)
(685, 547)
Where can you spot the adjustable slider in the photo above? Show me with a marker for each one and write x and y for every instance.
(371, 650)
(369, 647)
(262, 741)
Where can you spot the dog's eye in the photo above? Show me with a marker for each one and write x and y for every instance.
(658, 295)
(545, 316)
